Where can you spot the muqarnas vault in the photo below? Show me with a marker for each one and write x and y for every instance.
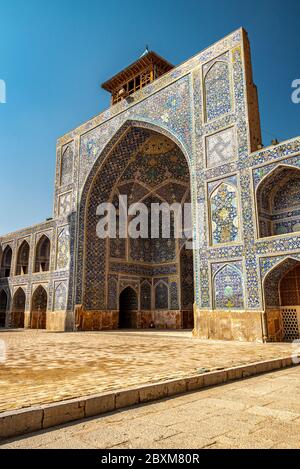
(189, 133)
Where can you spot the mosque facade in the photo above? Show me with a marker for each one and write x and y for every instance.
(188, 135)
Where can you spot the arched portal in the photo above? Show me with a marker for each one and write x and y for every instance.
(38, 308)
(278, 202)
(282, 301)
(23, 259)
(290, 303)
(128, 306)
(3, 307)
(42, 255)
(18, 309)
(6, 262)
(145, 166)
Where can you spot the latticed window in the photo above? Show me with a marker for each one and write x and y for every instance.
(135, 84)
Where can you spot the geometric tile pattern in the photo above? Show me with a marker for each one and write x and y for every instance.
(63, 248)
(112, 293)
(146, 296)
(221, 147)
(65, 201)
(187, 278)
(174, 304)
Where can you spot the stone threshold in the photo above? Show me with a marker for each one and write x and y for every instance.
(36, 418)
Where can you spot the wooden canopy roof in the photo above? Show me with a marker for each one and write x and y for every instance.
(151, 58)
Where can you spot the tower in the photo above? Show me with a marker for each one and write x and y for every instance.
(136, 76)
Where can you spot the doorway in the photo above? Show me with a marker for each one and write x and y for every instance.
(128, 309)
(18, 309)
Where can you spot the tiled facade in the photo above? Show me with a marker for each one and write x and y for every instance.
(192, 133)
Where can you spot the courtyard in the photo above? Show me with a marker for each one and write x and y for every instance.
(43, 367)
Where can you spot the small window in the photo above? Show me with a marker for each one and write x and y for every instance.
(138, 82)
(131, 85)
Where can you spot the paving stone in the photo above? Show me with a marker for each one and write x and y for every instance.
(283, 415)
(19, 422)
(56, 414)
(100, 404)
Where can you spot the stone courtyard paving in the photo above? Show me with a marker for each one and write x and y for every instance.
(43, 367)
(260, 412)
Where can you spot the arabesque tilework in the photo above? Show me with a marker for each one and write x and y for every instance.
(196, 127)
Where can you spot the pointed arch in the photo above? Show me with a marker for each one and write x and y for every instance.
(278, 201)
(228, 288)
(281, 289)
(161, 295)
(271, 282)
(217, 90)
(23, 259)
(224, 214)
(278, 167)
(120, 134)
(39, 304)
(127, 285)
(289, 286)
(6, 262)
(18, 309)
(60, 296)
(42, 255)
(66, 165)
(105, 172)
(128, 306)
(3, 307)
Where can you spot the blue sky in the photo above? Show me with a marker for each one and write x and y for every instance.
(54, 54)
